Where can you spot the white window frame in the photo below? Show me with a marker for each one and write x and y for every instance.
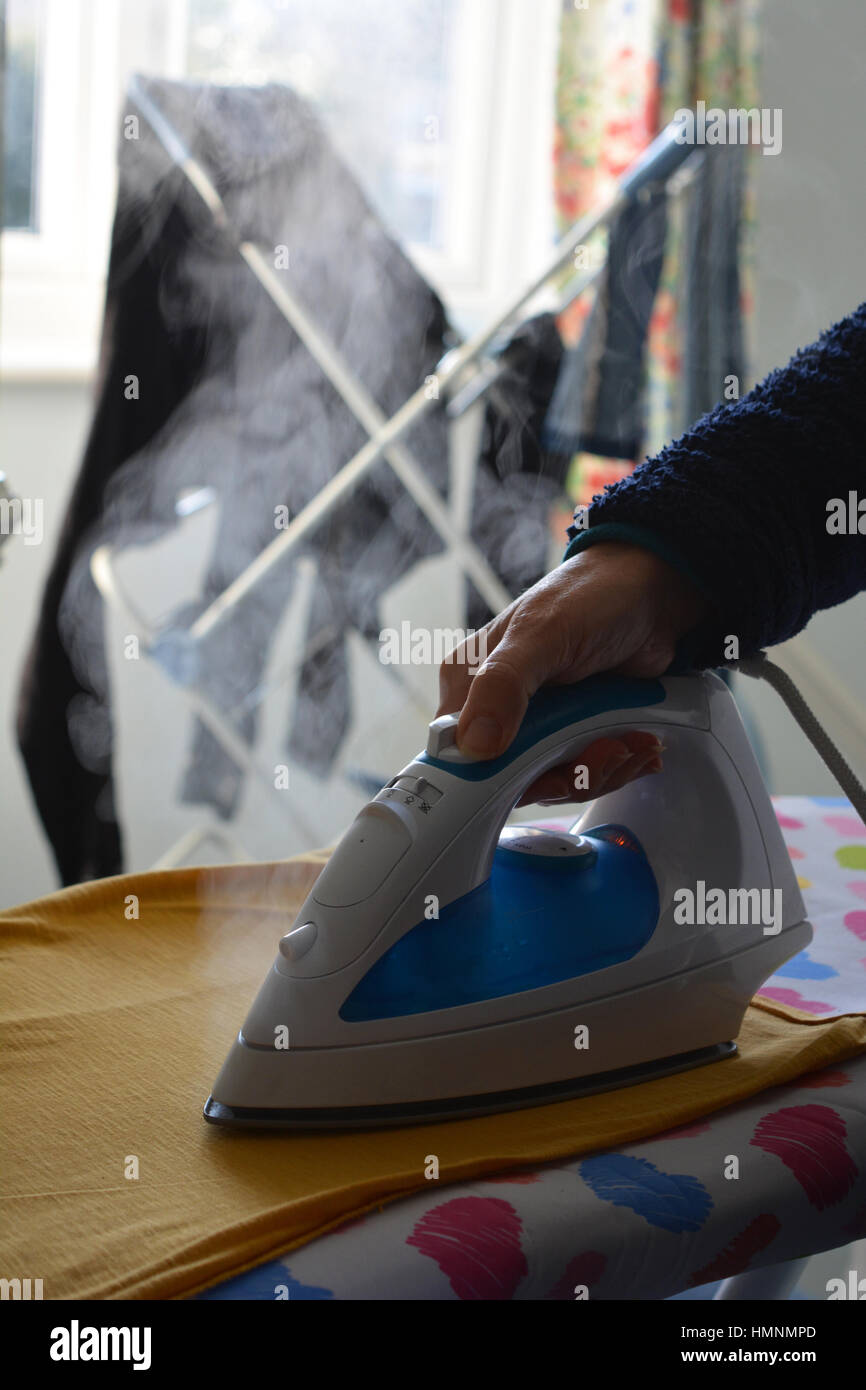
(498, 219)
(53, 279)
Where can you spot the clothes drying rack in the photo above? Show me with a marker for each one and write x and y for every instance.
(462, 379)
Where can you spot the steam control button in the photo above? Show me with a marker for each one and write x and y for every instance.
(420, 787)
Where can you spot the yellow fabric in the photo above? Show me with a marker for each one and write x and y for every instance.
(114, 1027)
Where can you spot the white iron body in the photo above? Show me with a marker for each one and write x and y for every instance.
(706, 819)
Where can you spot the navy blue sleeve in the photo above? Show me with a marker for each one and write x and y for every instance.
(740, 502)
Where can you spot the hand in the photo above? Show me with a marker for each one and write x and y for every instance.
(613, 607)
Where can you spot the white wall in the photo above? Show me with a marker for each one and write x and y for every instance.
(811, 210)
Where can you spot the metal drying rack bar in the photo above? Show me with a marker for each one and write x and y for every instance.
(462, 378)
(658, 163)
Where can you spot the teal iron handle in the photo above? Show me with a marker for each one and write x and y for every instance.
(554, 708)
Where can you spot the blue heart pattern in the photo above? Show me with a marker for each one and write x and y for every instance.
(263, 1282)
(674, 1201)
(802, 967)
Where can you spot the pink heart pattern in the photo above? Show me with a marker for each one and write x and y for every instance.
(794, 999)
(856, 923)
(810, 1141)
(847, 825)
(476, 1243)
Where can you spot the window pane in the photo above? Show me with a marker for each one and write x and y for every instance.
(377, 73)
(23, 41)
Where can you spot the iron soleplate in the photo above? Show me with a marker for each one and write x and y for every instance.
(460, 1107)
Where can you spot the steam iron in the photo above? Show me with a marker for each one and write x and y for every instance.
(446, 965)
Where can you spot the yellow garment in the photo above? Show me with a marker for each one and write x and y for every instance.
(114, 1026)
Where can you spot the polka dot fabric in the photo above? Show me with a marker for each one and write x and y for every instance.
(827, 843)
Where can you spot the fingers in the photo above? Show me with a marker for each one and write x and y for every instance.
(604, 766)
(607, 609)
(459, 668)
(639, 766)
(582, 777)
(525, 657)
(529, 643)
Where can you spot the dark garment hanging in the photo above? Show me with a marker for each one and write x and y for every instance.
(714, 346)
(599, 403)
(228, 397)
(519, 400)
(519, 479)
(64, 722)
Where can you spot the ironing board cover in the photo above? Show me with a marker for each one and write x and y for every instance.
(121, 998)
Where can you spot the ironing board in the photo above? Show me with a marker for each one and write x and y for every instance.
(664, 1215)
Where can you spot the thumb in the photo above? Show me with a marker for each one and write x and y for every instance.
(501, 689)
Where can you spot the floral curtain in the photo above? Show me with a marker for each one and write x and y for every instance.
(625, 68)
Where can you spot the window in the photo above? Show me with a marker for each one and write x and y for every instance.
(23, 43)
(442, 108)
(378, 75)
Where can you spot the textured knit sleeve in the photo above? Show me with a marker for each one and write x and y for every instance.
(759, 502)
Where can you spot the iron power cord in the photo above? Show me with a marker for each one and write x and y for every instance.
(761, 668)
